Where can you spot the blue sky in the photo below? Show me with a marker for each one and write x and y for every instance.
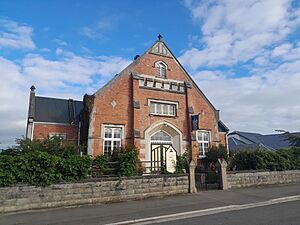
(245, 55)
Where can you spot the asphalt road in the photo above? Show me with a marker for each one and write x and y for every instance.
(157, 207)
(279, 214)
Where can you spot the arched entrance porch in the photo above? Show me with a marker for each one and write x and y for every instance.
(158, 137)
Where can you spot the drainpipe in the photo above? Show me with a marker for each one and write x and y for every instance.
(186, 86)
(132, 106)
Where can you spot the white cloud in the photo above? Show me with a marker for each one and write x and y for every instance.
(68, 76)
(255, 42)
(97, 30)
(60, 42)
(15, 35)
(258, 103)
(235, 30)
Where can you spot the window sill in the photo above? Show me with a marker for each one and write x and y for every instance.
(150, 114)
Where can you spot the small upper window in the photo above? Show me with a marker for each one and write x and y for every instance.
(161, 69)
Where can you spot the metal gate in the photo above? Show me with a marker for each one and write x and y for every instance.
(158, 156)
(207, 178)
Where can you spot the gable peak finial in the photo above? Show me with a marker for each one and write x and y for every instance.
(160, 37)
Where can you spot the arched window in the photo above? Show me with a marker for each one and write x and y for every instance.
(161, 136)
(161, 69)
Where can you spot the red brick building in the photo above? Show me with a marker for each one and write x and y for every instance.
(153, 103)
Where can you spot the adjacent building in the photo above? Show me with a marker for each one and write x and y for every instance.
(246, 141)
(152, 104)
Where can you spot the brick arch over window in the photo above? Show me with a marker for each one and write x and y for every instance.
(161, 69)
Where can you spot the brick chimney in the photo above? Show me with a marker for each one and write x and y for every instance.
(31, 111)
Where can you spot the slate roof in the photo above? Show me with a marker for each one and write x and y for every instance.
(54, 110)
(239, 140)
(222, 127)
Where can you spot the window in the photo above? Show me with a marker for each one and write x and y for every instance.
(63, 136)
(161, 137)
(112, 139)
(161, 70)
(203, 138)
(161, 108)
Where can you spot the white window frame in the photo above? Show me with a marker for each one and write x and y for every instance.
(63, 136)
(161, 104)
(160, 67)
(161, 141)
(112, 139)
(201, 143)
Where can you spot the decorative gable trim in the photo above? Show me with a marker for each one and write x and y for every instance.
(159, 48)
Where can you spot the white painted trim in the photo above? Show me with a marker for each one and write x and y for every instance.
(62, 124)
(162, 101)
(103, 125)
(162, 62)
(59, 134)
(159, 141)
(200, 141)
(160, 79)
(32, 129)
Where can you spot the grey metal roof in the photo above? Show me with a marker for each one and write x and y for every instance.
(222, 127)
(54, 110)
(236, 141)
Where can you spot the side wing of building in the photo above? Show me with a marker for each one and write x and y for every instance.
(49, 117)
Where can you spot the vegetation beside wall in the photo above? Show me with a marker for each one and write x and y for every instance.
(283, 159)
(42, 163)
(123, 162)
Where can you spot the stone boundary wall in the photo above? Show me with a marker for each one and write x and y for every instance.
(241, 179)
(89, 192)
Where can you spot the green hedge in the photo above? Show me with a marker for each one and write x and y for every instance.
(42, 168)
(123, 162)
(283, 159)
(42, 163)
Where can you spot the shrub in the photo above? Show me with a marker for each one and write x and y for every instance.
(127, 161)
(53, 146)
(41, 168)
(101, 162)
(8, 170)
(243, 161)
(283, 159)
(216, 153)
(182, 163)
(122, 162)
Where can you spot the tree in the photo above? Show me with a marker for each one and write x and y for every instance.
(294, 138)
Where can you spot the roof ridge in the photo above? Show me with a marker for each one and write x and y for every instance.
(64, 99)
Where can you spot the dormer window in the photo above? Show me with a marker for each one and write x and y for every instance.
(161, 69)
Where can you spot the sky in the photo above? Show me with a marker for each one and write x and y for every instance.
(244, 55)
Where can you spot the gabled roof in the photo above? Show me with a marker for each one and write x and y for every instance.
(222, 127)
(239, 140)
(152, 50)
(54, 110)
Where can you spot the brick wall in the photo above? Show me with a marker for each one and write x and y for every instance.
(42, 130)
(123, 90)
(248, 179)
(106, 190)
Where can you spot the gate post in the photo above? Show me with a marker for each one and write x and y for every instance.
(192, 186)
(223, 174)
